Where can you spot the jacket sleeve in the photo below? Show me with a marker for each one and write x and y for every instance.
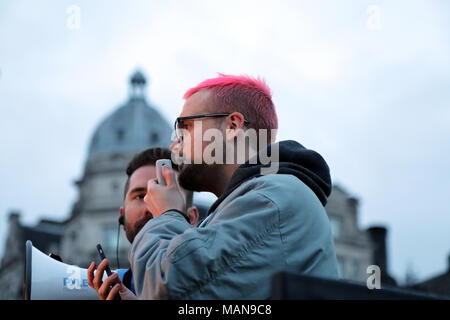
(172, 260)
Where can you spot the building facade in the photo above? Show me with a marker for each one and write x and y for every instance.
(356, 249)
(47, 234)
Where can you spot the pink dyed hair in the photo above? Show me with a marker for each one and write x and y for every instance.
(244, 94)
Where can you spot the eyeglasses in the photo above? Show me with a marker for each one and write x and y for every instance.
(178, 125)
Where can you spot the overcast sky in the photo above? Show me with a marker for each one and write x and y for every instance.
(365, 83)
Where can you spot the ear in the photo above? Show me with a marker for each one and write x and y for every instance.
(192, 214)
(235, 122)
(122, 210)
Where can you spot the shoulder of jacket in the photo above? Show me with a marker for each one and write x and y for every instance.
(277, 186)
(282, 181)
(287, 192)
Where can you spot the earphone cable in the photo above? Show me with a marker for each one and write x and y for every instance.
(117, 246)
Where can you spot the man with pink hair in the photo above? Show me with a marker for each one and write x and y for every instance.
(263, 221)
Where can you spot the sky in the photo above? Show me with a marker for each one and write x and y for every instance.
(364, 83)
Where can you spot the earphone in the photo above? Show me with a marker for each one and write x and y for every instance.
(121, 221)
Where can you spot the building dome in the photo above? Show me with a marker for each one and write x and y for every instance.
(132, 127)
(128, 130)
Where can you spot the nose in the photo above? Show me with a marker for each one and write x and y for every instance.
(173, 145)
(176, 146)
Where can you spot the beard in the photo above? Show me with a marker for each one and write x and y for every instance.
(197, 177)
(132, 231)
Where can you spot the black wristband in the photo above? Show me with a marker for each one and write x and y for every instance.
(185, 216)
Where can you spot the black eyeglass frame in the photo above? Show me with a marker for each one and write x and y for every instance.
(200, 116)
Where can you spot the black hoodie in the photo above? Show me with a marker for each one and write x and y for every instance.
(307, 165)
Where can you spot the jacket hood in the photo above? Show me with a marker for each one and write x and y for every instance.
(305, 164)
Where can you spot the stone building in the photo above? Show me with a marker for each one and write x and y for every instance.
(46, 235)
(356, 249)
(130, 128)
(353, 246)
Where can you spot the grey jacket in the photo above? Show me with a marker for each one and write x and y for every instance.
(263, 224)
